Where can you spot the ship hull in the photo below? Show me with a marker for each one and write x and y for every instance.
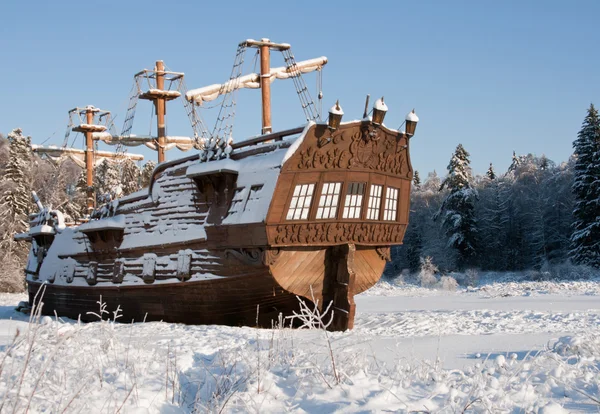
(231, 301)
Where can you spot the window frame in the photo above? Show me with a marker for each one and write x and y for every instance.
(291, 198)
(385, 210)
(379, 208)
(361, 213)
(322, 184)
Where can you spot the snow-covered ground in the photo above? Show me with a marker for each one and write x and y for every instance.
(501, 347)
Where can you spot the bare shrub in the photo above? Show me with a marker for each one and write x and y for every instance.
(447, 283)
(472, 277)
(427, 272)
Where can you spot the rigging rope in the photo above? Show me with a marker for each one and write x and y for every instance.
(308, 105)
(198, 124)
(134, 96)
(223, 130)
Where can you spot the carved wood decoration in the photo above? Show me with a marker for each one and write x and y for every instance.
(336, 233)
(363, 147)
(384, 253)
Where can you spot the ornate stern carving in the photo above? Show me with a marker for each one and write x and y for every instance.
(384, 253)
(369, 148)
(337, 233)
(246, 256)
(270, 256)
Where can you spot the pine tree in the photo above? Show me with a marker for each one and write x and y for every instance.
(491, 174)
(107, 182)
(416, 180)
(130, 174)
(15, 202)
(458, 208)
(585, 239)
(15, 193)
(146, 174)
(515, 162)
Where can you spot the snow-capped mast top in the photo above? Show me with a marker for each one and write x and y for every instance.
(263, 80)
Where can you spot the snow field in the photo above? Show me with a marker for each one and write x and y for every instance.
(412, 349)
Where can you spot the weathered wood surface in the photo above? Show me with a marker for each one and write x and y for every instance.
(228, 301)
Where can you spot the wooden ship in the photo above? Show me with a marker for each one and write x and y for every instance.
(238, 231)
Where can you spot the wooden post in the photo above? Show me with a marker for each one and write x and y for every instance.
(160, 110)
(89, 160)
(265, 85)
(339, 286)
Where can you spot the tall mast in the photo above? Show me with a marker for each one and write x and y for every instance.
(88, 128)
(160, 110)
(89, 159)
(264, 46)
(160, 96)
(265, 85)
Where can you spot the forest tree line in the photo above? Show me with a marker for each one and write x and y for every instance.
(536, 213)
(59, 184)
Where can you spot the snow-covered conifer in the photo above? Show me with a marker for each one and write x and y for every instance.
(107, 181)
(585, 238)
(458, 208)
(514, 163)
(15, 201)
(147, 173)
(416, 180)
(130, 174)
(490, 173)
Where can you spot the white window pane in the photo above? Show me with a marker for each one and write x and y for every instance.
(304, 213)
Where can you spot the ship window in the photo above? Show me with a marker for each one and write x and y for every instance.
(353, 203)
(300, 203)
(328, 202)
(391, 204)
(237, 203)
(374, 202)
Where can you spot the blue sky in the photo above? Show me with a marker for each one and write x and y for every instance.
(494, 76)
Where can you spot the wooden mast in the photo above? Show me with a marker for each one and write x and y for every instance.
(89, 159)
(88, 128)
(265, 86)
(264, 46)
(160, 110)
(159, 97)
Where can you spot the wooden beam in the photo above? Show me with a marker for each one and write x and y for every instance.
(89, 162)
(277, 136)
(160, 111)
(265, 42)
(265, 85)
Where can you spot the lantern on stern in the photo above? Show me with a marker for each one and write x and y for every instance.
(411, 123)
(335, 116)
(379, 111)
